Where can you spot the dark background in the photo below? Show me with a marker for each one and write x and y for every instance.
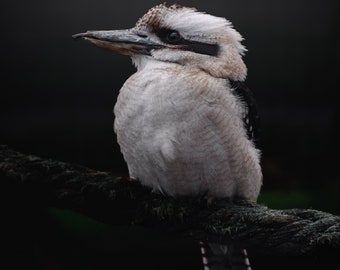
(57, 95)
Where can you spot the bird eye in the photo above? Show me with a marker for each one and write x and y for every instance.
(173, 37)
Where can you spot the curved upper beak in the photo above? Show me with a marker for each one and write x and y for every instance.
(126, 42)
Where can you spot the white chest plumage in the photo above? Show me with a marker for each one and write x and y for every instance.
(180, 131)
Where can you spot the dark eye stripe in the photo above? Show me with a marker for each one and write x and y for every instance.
(173, 37)
(203, 48)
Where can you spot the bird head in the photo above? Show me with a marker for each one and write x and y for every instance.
(180, 35)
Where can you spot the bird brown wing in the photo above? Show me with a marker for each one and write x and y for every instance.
(251, 117)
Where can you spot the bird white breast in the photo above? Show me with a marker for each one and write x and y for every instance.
(180, 132)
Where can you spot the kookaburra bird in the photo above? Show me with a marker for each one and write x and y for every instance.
(184, 121)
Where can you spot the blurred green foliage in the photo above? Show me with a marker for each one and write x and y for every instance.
(323, 201)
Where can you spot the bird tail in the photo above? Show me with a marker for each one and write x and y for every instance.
(224, 257)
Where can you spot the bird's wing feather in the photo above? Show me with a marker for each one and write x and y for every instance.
(251, 117)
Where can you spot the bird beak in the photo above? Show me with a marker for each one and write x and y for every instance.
(126, 42)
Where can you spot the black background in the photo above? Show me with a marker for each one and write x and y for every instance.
(57, 95)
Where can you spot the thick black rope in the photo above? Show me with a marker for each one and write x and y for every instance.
(29, 179)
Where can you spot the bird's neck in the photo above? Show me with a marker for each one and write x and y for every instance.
(141, 61)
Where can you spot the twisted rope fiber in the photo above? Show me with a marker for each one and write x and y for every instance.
(47, 182)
